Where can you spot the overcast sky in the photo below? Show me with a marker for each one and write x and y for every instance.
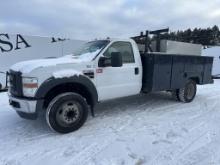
(89, 19)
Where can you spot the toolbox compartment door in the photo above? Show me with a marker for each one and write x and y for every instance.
(162, 72)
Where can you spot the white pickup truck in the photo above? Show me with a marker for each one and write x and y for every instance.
(66, 88)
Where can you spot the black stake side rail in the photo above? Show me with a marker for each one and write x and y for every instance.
(144, 39)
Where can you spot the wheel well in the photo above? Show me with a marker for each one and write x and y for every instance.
(68, 87)
(196, 79)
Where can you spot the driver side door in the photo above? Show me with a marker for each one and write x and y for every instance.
(115, 82)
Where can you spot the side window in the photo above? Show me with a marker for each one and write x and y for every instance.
(124, 48)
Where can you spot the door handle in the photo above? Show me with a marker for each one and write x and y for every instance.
(136, 71)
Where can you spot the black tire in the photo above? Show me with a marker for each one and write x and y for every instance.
(175, 94)
(188, 93)
(67, 112)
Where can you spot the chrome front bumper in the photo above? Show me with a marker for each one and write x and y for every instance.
(23, 105)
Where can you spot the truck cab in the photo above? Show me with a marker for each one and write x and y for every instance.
(100, 70)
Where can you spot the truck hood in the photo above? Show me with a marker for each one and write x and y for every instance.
(28, 66)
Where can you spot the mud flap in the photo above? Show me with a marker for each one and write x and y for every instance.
(92, 111)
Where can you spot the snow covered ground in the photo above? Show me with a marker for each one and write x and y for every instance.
(149, 129)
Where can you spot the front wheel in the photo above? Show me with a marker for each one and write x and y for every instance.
(188, 93)
(67, 112)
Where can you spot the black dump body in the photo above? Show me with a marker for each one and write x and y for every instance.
(168, 72)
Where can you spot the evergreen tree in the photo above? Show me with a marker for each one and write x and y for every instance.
(206, 37)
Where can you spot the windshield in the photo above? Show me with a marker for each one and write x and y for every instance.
(90, 50)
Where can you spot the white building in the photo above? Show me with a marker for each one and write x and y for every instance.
(16, 47)
(215, 52)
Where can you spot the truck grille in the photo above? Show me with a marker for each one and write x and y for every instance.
(15, 83)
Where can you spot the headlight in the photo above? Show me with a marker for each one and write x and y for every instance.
(30, 85)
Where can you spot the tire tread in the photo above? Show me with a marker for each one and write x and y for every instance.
(182, 92)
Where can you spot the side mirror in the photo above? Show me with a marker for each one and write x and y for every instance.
(116, 59)
(104, 62)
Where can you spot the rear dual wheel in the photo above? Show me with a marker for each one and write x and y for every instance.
(187, 93)
(175, 95)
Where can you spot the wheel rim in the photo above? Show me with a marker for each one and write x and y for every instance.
(68, 113)
(190, 91)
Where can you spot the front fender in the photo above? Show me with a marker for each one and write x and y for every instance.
(52, 82)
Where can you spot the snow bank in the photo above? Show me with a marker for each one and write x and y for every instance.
(66, 73)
